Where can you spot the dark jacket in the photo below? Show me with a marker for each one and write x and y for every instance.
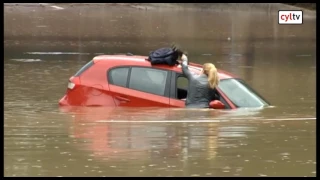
(199, 92)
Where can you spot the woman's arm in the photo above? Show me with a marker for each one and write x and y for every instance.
(185, 69)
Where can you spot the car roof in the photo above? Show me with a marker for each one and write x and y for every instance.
(133, 60)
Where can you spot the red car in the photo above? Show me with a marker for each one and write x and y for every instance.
(131, 81)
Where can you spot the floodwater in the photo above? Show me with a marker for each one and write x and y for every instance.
(44, 46)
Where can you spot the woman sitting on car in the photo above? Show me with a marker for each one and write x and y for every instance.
(201, 89)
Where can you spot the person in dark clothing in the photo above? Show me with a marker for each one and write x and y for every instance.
(201, 89)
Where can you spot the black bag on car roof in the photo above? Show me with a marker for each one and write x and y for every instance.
(165, 55)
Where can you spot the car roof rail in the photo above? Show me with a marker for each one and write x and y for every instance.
(127, 54)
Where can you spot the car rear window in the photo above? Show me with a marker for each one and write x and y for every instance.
(84, 68)
(119, 76)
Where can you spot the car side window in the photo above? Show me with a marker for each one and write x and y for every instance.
(148, 80)
(119, 76)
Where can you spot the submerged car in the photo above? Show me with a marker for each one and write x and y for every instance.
(131, 81)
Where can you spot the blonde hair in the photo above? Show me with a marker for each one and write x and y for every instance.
(211, 71)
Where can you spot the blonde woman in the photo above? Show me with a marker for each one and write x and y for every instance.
(201, 89)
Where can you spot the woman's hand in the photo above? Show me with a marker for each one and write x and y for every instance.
(184, 57)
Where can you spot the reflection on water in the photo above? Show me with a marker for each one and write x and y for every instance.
(83, 145)
(42, 140)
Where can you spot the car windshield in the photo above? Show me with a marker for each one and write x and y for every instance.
(241, 94)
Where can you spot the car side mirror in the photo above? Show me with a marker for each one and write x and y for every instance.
(216, 104)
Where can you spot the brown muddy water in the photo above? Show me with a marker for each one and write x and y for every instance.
(44, 46)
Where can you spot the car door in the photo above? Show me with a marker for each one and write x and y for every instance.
(179, 83)
(137, 86)
(178, 91)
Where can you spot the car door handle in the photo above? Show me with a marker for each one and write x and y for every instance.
(122, 98)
